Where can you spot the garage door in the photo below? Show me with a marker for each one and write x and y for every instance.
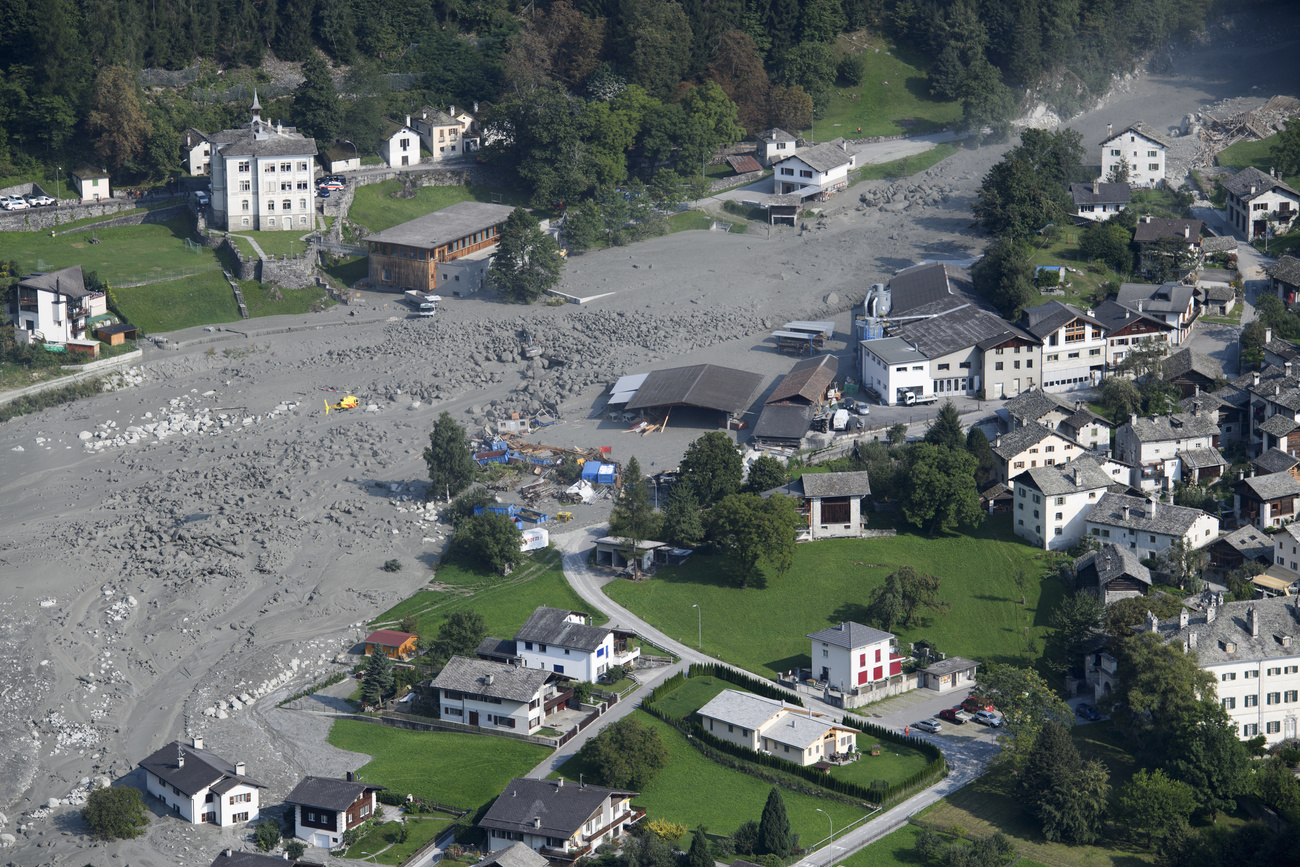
(321, 841)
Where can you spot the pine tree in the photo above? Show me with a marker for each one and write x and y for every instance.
(378, 680)
(683, 525)
(633, 518)
(946, 429)
(451, 466)
(527, 262)
(774, 835)
(316, 108)
(699, 856)
(977, 443)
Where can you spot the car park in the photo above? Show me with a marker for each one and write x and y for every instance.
(988, 718)
(1087, 711)
(40, 201)
(928, 725)
(13, 203)
(954, 715)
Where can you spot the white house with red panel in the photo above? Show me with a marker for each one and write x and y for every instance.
(852, 656)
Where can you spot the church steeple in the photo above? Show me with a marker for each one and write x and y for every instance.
(257, 107)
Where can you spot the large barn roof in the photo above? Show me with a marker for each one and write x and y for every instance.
(707, 386)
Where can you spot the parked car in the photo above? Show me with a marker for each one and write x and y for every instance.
(330, 184)
(861, 407)
(988, 718)
(1088, 712)
(323, 193)
(975, 703)
(13, 203)
(928, 725)
(954, 715)
(40, 201)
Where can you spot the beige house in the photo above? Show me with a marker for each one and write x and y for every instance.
(776, 728)
(1253, 196)
(1032, 445)
(445, 134)
(562, 822)
(92, 184)
(1071, 417)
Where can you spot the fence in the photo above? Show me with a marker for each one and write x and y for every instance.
(163, 276)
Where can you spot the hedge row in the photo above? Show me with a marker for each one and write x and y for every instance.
(753, 684)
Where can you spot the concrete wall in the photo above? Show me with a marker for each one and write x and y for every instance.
(44, 219)
(159, 215)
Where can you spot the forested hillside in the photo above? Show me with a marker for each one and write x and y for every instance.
(612, 74)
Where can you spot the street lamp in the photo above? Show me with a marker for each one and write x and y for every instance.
(355, 153)
(828, 819)
(699, 627)
(58, 187)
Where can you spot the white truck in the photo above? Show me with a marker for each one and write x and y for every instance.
(423, 303)
(911, 398)
(840, 420)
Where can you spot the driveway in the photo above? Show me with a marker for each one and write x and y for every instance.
(1220, 342)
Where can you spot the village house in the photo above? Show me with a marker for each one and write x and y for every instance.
(1286, 549)
(777, 728)
(1072, 417)
(566, 643)
(562, 822)
(515, 855)
(1276, 461)
(1099, 201)
(1250, 649)
(480, 693)
(56, 305)
(263, 177)
(445, 134)
(894, 368)
(851, 655)
(240, 858)
(342, 156)
(1192, 372)
(1136, 152)
(1128, 330)
(954, 341)
(1274, 391)
(1229, 407)
(814, 171)
(411, 254)
(1254, 197)
(1052, 503)
(399, 144)
(1148, 527)
(325, 808)
(1172, 303)
(1265, 501)
(1215, 292)
(1277, 352)
(391, 643)
(1073, 343)
(92, 185)
(196, 152)
(1032, 445)
(1178, 446)
(1112, 573)
(1284, 279)
(201, 787)
(1234, 550)
(775, 145)
(1175, 240)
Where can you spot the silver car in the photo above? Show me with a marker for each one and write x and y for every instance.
(928, 725)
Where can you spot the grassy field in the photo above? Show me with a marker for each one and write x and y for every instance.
(906, 166)
(125, 254)
(893, 98)
(695, 791)
(258, 297)
(685, 221)
(201, 300)
(279, 243)
(505, 603)
(830, 583)
(894, 850)
(1252, 153)
(1065, 251)
(463, 770)
(381, 842)
(375, 208)
(349, 270)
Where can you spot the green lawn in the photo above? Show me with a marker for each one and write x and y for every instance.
(906, 166)
(505, 603)
(349, 270)
(374, 207)
(684, 221)
(383, 839)
(895, 763)
(463, 770)
(894, 850)
(693, 694)
(831, 581)
(696, 791)
(1252, 153)
(258, 297)
(1065, 251)
(125, 254)
(285, 243)
(202, 300)
(893, 98)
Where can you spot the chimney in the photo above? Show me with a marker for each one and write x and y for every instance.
(1252, 189)
(198, 743)
(1191, 640)
(1286, 640)
(997, 441)
(1125, 512)
(227, 853)
(180, 756)
(1187, 231)
(1271, 172)
(537, 821)
(1133, 418)
(1153, 508)
(488, 678)
(408, 121)
(1078, 478)
(1096, 188)
(1252, 622)
(241, 769)
(1153, 622)
(1182, 618)
(1139, 306)
(1254, 378)
(1109, 130)
(1286, 365)
(451, 110)
(351, 777)
(1210, 612)
(1268, 335)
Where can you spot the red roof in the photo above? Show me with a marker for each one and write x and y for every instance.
(744, 164)
(388, 637)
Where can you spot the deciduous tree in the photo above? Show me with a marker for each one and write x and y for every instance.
(712, 467)
(654, 42)
(939, 491)
(904, 597)
(1150, 803)
(626, 755)
(115, 813)
(1005, 278)
(765, 473)
(1206, 753)
(1027, 704)
(490, 538)
(1075, 621)
(451, 466)
(1159, 690)
(1018, 197)
(633, 518)
(459, 635)
(738, 69)
(1067, 795)
(527, 262)
(750, 528)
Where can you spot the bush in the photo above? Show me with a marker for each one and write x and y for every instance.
(295, 849)
(393, 565)
(267, 834)
(115, 813)
(745, 840)
(849, 70)
(391, 798)
(670, 831)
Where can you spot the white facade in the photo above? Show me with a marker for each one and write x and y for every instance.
(850, 667)
(1261, 696)
(1058, 520)
(1074, 356)
(1144, 155)
(892, 366)
(401, 147)
(1155, 461)
(813, 170)
(59, 318)
(235, 806)
(308, 821)
(196, 152)
(1146, 539)
(524, 717)
(263, 177)
(568, 661)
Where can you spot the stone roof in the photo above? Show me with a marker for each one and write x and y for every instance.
(329, 793)
(823, 157)
(950, 665)
(261, 139)
(1216, 292)
(1190, 361)
(1278, 425)
(552, 808)
(1239, 631)
(517, 855)
(69, 282)
(1241, 183)
(1287, 350)
(1034, 404)
(434, 117)
(199, 769)
(1141, 129)
(1114, 316)
(1275, 460)
(1047, 318)
(1101, 194)
(1142, 515)
(1165, 298)
(849, 484)
(1250, 543)
(552, 626)
(1008, 445)
(1218, 244)
(1199, 459)
(1172, 427)
(1154, 228)
(1286, 269)
(776, 134)
(1081, 474)
(492, 679)
(850, 635)
(1273, 486)
(1111, 562)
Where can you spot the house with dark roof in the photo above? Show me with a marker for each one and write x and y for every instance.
(924, 285)
(1071, 417)
(1266, 501)
(775, 145)
(1128, 330)
(561, 821)
(1171, 303)
(92, 184)
(1215, 292)
(478, 692)
(409, 255)
(263, 176)
(1178, 446)
(1168, 241)
(515, 855)
(831, 503)
(1074, 343)
(339, 157)
(1228, 406)
(1284, 279)
(391, 643)
(782, 426)
(1274, 391)
(1052, 502)
(1032, 445)
(196, 152)
(55, 305)
(1113, 573)
(778, 728)
(237, 858)
(1276, 461)
(1136, 152)
(1234, 550)
(1278, 352)
(324, 808)
(1253, 196)
(1191, 372)
(849, 655)
(815, 171)
(807, 382)
(201, 787)
(971, 350)
(1099, 201)
(399, 143)
(565, 642)
(1148, 527)
(445, 134)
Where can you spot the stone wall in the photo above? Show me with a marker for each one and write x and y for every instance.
(291, 272)
(245, 269)
(158, 215)
(44, 219)
(734, 181)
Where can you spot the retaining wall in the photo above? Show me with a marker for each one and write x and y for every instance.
(44, 219)
(158, 215)
(84, 372)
